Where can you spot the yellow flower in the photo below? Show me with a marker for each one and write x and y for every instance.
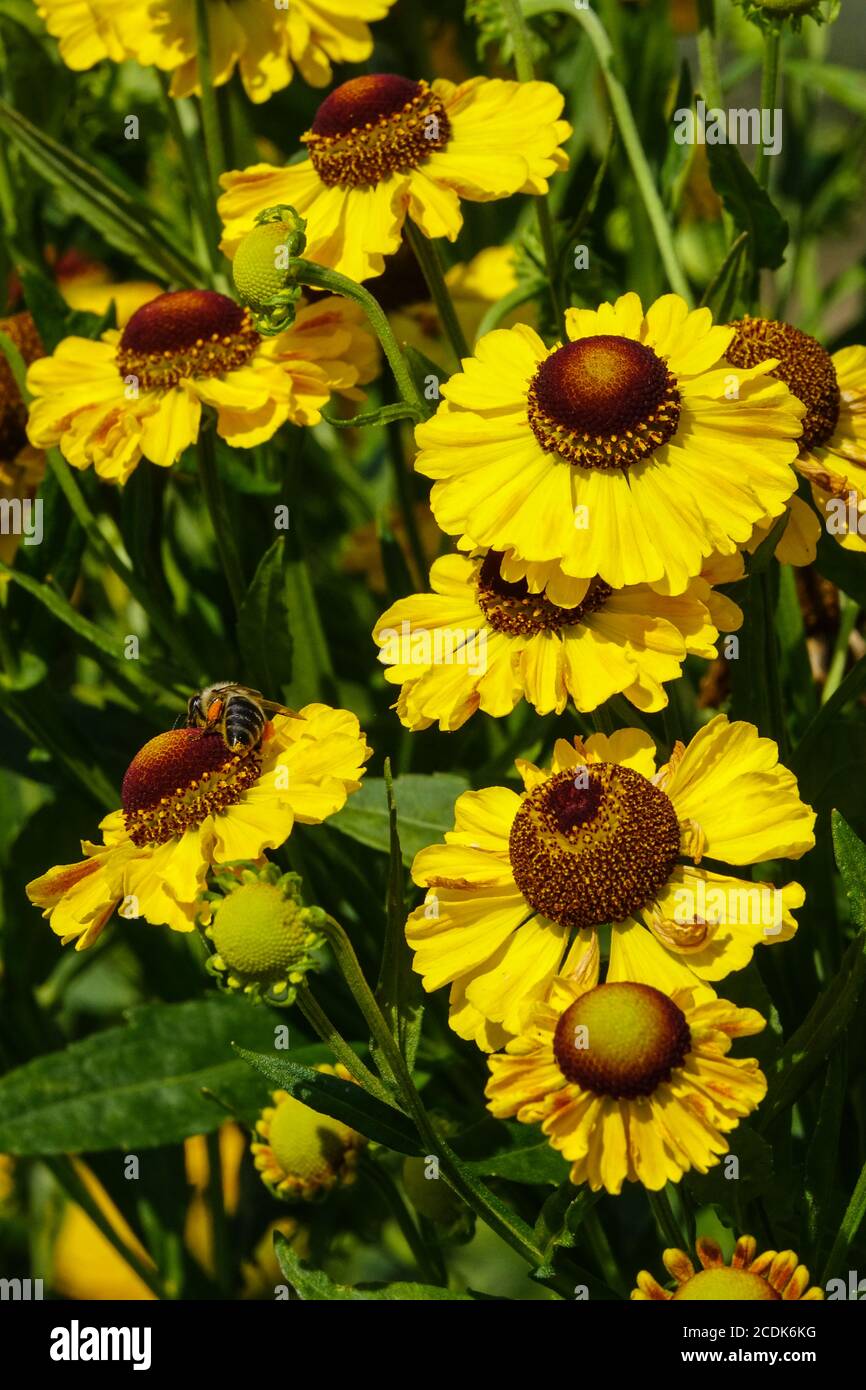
(481, 641)
(748, 1278)
(189, 804)
(833, 433)
(304, 1154)
(601, 837)
(622, 453)
(84, 1262)
(89, 30)
(629, 1083)
(264, 40)
(95, 292)
(140, 393)
(22, 467)
(383, 147)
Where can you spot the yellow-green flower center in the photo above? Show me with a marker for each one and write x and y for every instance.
(603, 402)
(621, 1040)
(260, 933)
(593, 844)
(307, 1147)
(185, 334)
(374, 126)
(13, 412)
(726, 1285)
(179, 778)
(260, 263)
(804, 366)
(509, 607)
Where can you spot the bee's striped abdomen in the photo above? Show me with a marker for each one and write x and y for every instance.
(244, 723)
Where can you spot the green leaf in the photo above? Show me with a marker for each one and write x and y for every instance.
(754, 1176)
(845, 85)
(264, 623)
(425, 810)
(138, 1086)
(313, 1285)
(828, 1019)
(342, 1100)
(398, 991)
(562, 1216)
(154, 690)
(823, 1154)
(126, 223)
(851, 859)
(534, 1163)
(749, 206)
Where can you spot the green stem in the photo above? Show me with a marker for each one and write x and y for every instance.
(711, 82)
(663, 1213)
(430, 1268)
(69, 1179)
(496, 1215)
(322, 1025)
(215, 500)
(203, 205)
(769, 83)
(210, 116)
(851, 1222)
(164, 623)
(427, 256)
(839, 659)
(320, 277)
(503, 307)
(525, 69)
(848, 689)
(598, 37)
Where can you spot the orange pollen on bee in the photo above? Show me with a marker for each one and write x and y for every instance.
(185, 334)
(603, 402)
(374, 126)
(179, 778)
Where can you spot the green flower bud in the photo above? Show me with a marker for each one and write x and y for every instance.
(263, 936)
(262, 268)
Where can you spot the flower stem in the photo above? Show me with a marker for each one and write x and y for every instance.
(496, 1215)
(210, 116)
(321, 277)
(525, 69)
(322, 1025)
(204, 207)
(711, 81)
(215, 500)
(660, 1206)
(598, 37)
(429, 1263)
(427, 257)
(851, 1222)
(769, 83)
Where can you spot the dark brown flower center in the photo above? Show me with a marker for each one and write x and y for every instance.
(374, 126)
(603, 402)
(804, 366)
(13, 412)
(179, 778)
(187, 333)
(621, 1040)
(509, 607)
(593, 845)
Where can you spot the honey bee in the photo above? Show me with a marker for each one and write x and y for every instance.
(234, 711)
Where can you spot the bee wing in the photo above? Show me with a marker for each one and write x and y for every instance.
(270, 707)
